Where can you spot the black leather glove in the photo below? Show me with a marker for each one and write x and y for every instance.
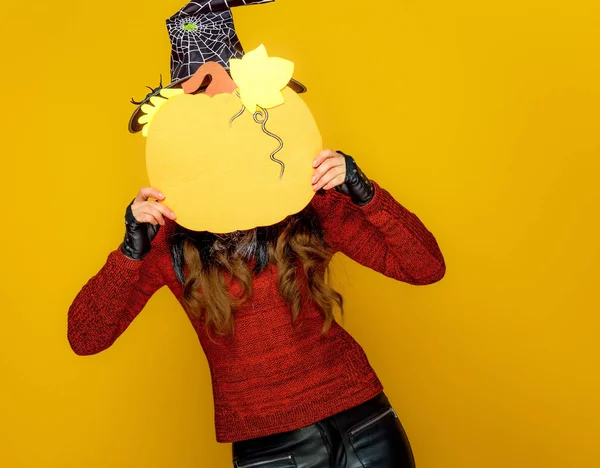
(357, 186)
(137, 236)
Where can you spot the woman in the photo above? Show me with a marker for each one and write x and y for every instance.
(291, 387)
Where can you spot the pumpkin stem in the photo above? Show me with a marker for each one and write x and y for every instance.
(221, 81)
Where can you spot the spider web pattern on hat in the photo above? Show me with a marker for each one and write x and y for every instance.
(198, 39)
(204, 32)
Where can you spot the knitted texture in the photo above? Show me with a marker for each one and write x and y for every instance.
(272, 375)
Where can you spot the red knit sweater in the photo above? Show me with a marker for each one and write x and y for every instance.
(271, 376)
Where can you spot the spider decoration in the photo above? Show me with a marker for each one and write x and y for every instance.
(153, 92)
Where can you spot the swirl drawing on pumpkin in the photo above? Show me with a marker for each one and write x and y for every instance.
(264, 114)
(239, 114)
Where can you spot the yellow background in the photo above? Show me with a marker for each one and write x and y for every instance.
(481, 117)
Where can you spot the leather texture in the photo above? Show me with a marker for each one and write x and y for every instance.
(138, 236)
(369, 435)
(356, 185)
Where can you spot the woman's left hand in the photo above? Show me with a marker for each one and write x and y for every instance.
(330, 170)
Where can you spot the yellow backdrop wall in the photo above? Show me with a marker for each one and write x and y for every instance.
(480, 117)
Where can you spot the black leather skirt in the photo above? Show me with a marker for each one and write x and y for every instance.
(368, 435)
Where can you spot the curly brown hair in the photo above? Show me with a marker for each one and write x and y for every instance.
(296, 247)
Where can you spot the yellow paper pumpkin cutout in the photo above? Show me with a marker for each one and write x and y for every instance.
(216, 163)
(220, 178)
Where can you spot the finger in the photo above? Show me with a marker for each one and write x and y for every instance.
(322, 156)
(326, 166)
(328, 177)
(147, 192)
(339, 180)
(149, 214)
(146, 218)
(164, 209)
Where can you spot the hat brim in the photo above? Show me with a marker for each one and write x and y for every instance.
(135, 126)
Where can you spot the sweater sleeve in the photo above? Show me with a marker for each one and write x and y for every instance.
(382, 235)
(112, 298)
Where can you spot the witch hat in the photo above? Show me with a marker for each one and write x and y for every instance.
(202, 31)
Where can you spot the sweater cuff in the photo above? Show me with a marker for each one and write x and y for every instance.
(121, 261)
(376, 204)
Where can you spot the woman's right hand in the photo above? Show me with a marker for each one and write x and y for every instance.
(150, 211)
(143, 219)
